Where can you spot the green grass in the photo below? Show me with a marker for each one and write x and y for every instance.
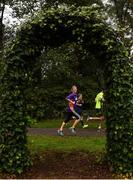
(42, 143)
(57, 123)
(47, 124)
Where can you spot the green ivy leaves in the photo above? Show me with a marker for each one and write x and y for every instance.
(51, 29)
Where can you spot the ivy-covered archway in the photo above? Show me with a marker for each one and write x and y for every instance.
(52, 28)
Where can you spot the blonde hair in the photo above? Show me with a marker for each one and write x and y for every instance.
(72, 89)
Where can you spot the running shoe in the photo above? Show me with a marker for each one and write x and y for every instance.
(99, 129)
(85, 126)
(60, 133)
(72, 130)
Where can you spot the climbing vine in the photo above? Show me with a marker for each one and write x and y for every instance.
(49, 29)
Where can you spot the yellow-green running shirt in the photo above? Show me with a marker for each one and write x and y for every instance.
(99, 100)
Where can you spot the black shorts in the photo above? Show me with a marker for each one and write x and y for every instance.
(99, 112)
(70, 115)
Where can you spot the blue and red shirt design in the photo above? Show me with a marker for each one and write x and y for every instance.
(72, 97)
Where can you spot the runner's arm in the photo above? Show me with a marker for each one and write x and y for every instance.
(68, 98)
(70, 101)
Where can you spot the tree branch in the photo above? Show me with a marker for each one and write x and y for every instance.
(2, 11)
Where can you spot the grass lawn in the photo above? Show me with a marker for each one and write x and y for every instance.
(42, 143)
(57, 123)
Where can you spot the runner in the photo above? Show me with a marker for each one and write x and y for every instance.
(99, 108)
(71, 98)
(78, 109)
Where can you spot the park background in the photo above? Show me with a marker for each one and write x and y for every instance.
(58, 68)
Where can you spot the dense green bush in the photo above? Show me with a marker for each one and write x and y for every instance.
(49, 29)
(120, 117)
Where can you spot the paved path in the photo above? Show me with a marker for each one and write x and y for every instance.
(67, 132)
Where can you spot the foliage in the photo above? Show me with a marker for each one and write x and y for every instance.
(56, 70)
(120, 13)
(49, 29)
(73, 2)
(31, 121)
(120, 123)
(123, 10)
(25, 7)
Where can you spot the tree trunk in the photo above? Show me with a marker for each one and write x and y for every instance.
(1, 38)
(2, 8)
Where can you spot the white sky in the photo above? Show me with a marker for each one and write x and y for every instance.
(8, 16)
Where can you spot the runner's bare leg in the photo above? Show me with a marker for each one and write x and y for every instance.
(62, 126)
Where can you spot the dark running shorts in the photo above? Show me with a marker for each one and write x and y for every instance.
(99, 112)
(69, 116)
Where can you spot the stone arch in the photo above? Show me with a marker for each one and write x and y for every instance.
(52, 28)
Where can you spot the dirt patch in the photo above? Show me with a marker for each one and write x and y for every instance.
(74, 165)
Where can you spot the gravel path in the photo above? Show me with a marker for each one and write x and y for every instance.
(67, 132)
